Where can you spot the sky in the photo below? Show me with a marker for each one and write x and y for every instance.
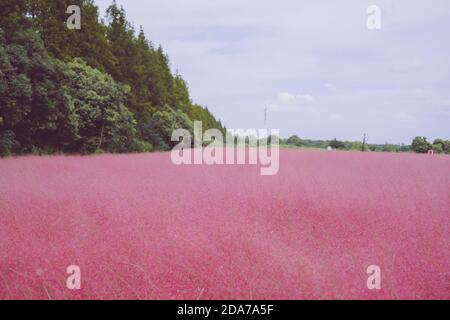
(314, 64)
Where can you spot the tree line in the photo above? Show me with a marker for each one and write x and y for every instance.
(418, 145)
(103, 88)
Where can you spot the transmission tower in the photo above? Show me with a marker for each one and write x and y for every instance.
(265, 117)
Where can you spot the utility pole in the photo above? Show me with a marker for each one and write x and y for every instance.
(364, 143)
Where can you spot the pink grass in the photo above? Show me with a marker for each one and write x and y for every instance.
(140, 227)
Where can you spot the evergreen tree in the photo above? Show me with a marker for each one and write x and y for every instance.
(50, 100)
(12, 16)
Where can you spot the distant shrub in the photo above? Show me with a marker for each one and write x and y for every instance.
(421, 145)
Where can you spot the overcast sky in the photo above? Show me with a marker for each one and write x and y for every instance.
(314, 64)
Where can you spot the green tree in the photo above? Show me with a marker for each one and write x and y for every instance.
(46, 106)
(165, 121)
(49, 18)
(150, 133)
(98, 115)
(441, 146)
(32, 104)
(137, 64)
(336, 144)
(421, 145)
(12, 16)
(181, 94)
(437, 148)
(389, 147)
(405, 148)
(295, 141)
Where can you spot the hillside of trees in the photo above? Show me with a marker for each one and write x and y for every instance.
(102, 88)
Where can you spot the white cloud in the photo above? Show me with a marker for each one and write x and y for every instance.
(297, 99)
(287, 101)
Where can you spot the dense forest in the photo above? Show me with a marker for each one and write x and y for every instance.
(101, 88)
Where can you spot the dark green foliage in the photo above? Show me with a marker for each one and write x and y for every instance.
(137, 64)
(437, 148)
(56, 94)
(49, 18)
(150, 133)
(32, 102)
(98, 116)
(50, 106)
(199, 113)
(404, 148)
(12, 16)
(181, 96)
(8, 143)
(390, 147)
(295, 141)
(441, 146)
(421, 145)
(167, 120)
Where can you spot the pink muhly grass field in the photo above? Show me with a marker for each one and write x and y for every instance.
(142, 228)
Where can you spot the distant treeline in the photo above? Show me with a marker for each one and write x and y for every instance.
(419, 145)
(103, 88)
